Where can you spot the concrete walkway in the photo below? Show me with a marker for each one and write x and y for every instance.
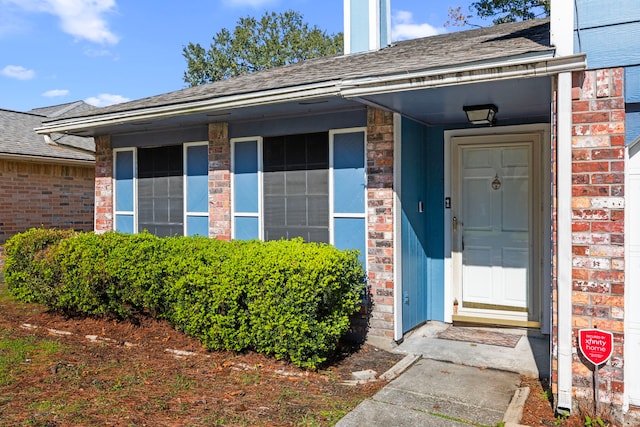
(453, 383)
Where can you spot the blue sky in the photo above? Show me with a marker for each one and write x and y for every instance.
(108, 51)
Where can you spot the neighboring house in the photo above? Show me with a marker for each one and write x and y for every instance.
(45, 181)
(516, 220)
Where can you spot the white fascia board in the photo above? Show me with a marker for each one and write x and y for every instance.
(291, 94)
(535, 66)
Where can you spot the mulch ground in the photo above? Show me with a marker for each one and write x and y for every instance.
(112, 373)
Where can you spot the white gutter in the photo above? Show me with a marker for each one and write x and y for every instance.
(466, 74)
(296, 93)
(562, 38)
(42, 159)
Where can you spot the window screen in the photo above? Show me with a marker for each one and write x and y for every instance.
(296, 187)
(160, 190)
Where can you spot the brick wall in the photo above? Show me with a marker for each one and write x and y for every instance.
(219, 181)
(380, 220)
(598, 222)
(104, 184)
(44, 195)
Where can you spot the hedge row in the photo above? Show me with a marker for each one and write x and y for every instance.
(287, 299)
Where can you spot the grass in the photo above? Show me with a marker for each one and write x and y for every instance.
(16, 354)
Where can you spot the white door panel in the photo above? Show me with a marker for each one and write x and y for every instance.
(494, 225)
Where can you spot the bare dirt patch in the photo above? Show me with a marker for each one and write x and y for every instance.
(86, 372)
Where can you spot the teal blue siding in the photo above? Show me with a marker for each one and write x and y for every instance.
(597, 13)
(198, 225)
(385, 37)
(298, 125)
(359, 26)
(422, 235)
(598, 23)
(632, 125)
(197, 178)
(349, 172)
(632, 85)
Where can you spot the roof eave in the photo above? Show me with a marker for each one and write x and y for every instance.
(273, 96)
(522, 66)
(532, 66)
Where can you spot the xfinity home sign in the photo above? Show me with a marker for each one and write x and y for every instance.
(596, 345)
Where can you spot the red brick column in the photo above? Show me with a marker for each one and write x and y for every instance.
(219, 181)
(104, 184)
(380, 220)
(598, 222)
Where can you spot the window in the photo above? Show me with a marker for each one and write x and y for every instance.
(160, 190)
(308, 185)
(296, 187)
(163, 190)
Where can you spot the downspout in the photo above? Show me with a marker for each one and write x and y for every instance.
(397, 228)
(562, 38)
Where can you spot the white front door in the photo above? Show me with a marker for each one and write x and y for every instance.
(632, 282)
(493, 248)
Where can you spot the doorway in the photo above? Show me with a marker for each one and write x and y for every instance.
(495, 229)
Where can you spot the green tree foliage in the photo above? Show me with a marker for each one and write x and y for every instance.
(255, 45)
(500, 10)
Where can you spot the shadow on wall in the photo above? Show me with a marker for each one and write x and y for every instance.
(360, 322)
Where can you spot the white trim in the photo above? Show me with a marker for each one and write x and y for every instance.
(562, 26)
(564, 252)
(397, 228)
(632, 294)
(234, 214)
(374, 25)
(185, 190)
(134, 213)
(543, 132)
(346, 25)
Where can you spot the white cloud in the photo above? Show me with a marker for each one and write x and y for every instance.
(83, 19)
(403, 27)
(18, 72)
(55, 93)
(105, 99)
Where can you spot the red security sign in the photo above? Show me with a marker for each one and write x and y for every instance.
(596, 345)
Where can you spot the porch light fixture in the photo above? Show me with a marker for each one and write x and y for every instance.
(481, 114)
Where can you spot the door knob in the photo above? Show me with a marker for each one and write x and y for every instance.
(454, 223)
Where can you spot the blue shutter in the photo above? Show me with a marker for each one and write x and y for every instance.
(246, 197)
(349, 190)
(124, 174)
(197, 191)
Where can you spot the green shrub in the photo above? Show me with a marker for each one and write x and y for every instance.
(204, 297)
(110, 274)
(287, 299)
(28, 272)
(301, 298)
